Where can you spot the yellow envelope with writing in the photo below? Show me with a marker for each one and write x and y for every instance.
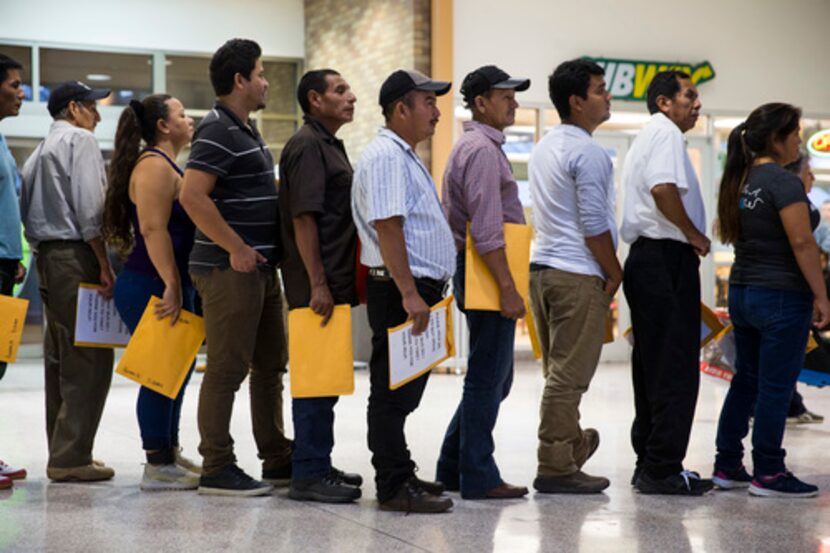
(159, 356)
(480, 288)
(12, 321)
(320, 361)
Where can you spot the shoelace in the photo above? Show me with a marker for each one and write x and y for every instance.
(688, 475)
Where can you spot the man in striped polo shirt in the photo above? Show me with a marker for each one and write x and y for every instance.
(408, 246)
(230, 193)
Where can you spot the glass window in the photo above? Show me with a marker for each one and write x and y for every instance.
(22, 55)
(188, 80)
(282, 87)
(127, 75)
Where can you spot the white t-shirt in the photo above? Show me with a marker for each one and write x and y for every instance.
(658, 156)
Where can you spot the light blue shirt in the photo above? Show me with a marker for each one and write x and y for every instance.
(572, 186)
(10, 243)
(391, 181)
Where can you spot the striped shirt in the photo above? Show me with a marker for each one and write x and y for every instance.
(245, 192)
(391, 181)
(479, 188)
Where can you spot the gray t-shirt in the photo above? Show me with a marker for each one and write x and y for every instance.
(763, 256)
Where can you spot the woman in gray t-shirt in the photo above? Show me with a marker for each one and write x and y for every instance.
(776, 289)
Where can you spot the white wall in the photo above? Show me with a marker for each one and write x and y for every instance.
(760, 50)
(177, 25)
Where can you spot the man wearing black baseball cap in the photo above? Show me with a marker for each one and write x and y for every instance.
(480, 192)
(408, 247)
(62, 204)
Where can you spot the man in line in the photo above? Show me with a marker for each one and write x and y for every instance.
(409, 248)
(574, 270)
(230, 193)
(664, 221)
(480, 190)
(62, 205)
(318, 269)
(12, 270)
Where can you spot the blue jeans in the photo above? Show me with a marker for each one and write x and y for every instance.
(466, 460)
(158, 415)
(771, 329)
(313, 436)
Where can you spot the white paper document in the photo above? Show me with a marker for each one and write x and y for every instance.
(97, 323)
(411, 356)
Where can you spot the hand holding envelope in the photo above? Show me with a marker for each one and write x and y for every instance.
(12, 320)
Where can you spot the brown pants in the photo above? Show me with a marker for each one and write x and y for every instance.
(570, 311)
(245, 332)
(77, 379)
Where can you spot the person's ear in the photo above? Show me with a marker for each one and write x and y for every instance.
(162, 126)
(663, 103)
(238, 80)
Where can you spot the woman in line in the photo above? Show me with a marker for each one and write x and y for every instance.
(142, 216)
(776, 290)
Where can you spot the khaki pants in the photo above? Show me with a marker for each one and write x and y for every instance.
(245, 332)
(570, 311)
(77, 379)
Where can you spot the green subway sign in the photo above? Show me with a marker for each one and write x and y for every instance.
(629, 79)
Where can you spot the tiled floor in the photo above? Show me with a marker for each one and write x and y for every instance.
(116, 516)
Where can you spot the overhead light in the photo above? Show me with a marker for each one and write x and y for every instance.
(98, 77)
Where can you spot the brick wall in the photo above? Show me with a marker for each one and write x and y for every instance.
(365, 40)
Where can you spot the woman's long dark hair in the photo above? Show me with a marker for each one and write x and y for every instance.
(137, 123)
(750, 139)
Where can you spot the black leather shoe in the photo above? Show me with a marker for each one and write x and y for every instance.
(350, 478)
(432, 488)
(279, 477)
(684, 483)
(412, 498)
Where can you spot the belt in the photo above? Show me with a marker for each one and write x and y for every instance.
(382, 274)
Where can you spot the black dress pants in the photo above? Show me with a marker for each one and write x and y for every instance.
(662, 286)
(388, 409)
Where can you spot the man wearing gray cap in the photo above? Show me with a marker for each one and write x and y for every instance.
(408, 247)
(480, 191)
(61, 204)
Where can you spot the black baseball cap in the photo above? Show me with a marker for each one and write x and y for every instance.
(402, 81)
(489, 76)
(73, 91)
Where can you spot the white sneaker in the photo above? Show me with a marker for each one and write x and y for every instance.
(168, 477)
(185, 463)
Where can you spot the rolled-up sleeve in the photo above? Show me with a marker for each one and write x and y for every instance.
(88, 185)
(666, 162)
(593, 172)
(482, 186)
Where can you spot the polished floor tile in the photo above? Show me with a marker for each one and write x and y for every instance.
(115, 516)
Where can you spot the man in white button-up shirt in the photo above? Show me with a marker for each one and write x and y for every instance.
(664, 221)
(574, 270)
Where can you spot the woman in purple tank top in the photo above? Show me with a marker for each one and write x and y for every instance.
(142, 217)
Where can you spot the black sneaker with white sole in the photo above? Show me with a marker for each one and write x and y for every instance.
(783, 484)
(350, 478)
(232, 480)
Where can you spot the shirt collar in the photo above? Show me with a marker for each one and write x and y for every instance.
(321, 129)
(490, 132)
(249, 125)
(576, 128)
(388, 133)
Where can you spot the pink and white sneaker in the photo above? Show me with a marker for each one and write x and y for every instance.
(10, 472)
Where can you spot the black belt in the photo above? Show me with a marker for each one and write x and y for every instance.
(382, 274)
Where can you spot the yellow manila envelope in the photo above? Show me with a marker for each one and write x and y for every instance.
(710, 327)
(411, 356)
(480, 288)
(320, 360)
(12, 321)
(159, 356)
(530, 323)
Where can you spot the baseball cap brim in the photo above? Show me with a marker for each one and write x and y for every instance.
(96, 94)
(518, 84)
(438, 87)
